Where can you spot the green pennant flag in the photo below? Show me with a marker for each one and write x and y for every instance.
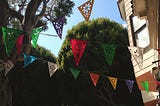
(35, 35)
(145, 85)
(9, 37)
(109, 51)
(75, 72)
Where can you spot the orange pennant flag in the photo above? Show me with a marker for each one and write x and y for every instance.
(113, 82)
(94, 78)
(86, 9)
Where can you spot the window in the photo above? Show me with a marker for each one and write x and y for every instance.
(140, 32)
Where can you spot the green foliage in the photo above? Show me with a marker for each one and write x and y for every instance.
(43, 53)
(96, 32)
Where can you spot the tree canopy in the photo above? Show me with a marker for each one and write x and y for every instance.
(25, 16)
(43, 53)
(29, 14)
(82, 91)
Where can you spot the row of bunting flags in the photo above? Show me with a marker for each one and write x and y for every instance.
(78, 47)
(14, 37)
(52, 67)
(28, 59)
(113, 80)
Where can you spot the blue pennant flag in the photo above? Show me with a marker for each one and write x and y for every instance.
(28, 59)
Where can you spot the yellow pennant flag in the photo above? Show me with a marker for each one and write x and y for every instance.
(113, 82)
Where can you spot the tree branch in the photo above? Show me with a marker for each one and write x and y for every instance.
(30, 14)
(39, 16)
(15, 14)
(19, 16)
(21, 6)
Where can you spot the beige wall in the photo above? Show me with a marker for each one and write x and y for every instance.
(150, 54)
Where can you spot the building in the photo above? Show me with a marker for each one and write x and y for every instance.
(142, 18)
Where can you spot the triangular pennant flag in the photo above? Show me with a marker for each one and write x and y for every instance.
(9, 37)
(35, 35)
(8, 66)
(130, 85)
(2, 65)
(94, 78)
(158, 50)
(137, 54)
(28, 59)
(86, 9)
(52, 68)
(19, 43)
(78, 47)
(109, 51)
(58, 25)
(113, 82)
(75, 72)
(145, 85)
(158, 83)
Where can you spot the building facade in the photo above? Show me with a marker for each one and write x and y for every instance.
(142, 18)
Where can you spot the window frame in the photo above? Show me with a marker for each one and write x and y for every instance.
(135, 33)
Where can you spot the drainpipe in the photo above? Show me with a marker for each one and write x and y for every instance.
(158, 33)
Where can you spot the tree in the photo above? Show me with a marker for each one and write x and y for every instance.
(82, 92)
(43, 53)
(31, 86)
(26, 15)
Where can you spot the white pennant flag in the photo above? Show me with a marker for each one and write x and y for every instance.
(52, 68)
(7, 66)
(137, 54)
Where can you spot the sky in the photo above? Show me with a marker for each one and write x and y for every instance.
(101, 8)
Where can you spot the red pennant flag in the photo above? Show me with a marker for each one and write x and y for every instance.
(78, 47)
(158, 50)
(158, 83)
(94, 78)
(19, 43)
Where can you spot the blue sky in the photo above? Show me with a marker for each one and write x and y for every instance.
(101, 8)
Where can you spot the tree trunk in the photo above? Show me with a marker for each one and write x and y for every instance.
(29, 23)
(5, 91)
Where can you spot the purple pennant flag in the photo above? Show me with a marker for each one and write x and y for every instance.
(58, 25)
(130, 85)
